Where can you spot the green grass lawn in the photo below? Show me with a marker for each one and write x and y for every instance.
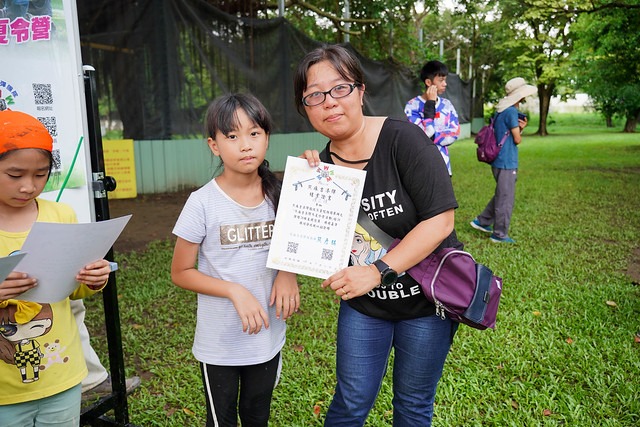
(562, 354)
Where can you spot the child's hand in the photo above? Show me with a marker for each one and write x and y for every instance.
(251, 313)
(95, 275)
(15, 284)
(312, 156)
(285, 294)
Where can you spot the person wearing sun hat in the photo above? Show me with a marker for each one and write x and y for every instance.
(517, 89)
(495, 219)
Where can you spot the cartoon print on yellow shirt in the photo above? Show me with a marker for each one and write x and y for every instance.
(53, 353)
(21, 322)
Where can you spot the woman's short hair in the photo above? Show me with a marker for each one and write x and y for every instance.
(344, 62)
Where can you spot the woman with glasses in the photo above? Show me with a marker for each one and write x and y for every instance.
(407, 195)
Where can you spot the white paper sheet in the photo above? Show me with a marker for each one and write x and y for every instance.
(8, 264)
(316, 219)
(57, 252)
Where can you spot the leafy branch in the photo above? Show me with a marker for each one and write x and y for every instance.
(335, 19)
(551, 7)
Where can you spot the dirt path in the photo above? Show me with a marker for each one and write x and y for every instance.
(154, 216)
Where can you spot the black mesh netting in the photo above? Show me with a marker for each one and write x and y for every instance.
(160, 62)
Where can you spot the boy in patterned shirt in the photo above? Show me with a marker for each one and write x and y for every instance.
(436, 116)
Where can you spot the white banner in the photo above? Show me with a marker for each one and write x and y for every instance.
(41, 74)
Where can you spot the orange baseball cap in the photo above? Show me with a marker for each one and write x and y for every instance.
(20, 130)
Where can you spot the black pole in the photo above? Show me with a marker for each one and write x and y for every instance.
(117, 400)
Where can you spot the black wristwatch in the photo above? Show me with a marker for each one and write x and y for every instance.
(388, 275)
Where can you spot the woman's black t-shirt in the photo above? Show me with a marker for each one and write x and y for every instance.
(407, 182)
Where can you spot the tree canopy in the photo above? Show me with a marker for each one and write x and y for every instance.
(561, 46)
(607, 62)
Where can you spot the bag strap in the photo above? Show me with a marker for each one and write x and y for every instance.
(365, 222)
(504, 137)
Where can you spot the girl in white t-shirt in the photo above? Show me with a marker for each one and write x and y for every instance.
(223, 238)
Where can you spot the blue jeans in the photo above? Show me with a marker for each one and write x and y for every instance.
(364, 343)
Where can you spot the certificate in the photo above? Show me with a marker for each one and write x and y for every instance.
(55, 253)
(7, 264)
(316, 219)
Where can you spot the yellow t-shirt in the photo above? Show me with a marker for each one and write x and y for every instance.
(42, 357)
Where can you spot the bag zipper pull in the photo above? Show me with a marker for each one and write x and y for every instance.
(440, 310)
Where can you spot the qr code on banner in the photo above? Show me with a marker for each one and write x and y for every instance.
(327, 254)
(51, 125)
(42, 93)
(292, 247)
(57, 162)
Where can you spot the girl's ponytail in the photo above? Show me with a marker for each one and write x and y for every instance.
(271, 185)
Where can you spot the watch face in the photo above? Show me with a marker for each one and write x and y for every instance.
(389, 277)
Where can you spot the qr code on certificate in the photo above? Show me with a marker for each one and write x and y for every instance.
(42, 93)
(292, 247)
(327, 254)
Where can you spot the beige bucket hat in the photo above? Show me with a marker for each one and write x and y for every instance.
(517, 89)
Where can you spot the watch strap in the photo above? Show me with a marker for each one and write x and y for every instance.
(381, 265)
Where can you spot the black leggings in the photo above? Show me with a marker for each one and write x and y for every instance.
(255, 383)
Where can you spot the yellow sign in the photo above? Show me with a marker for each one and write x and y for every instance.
(119, 162)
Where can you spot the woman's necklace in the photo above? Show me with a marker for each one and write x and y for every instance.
(351, 162)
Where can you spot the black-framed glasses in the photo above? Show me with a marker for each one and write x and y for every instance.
(336, 92)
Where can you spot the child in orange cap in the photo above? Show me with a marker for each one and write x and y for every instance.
(41, 359)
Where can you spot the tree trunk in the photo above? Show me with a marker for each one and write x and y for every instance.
(544, 95)
(609, 121)
(631, 123)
